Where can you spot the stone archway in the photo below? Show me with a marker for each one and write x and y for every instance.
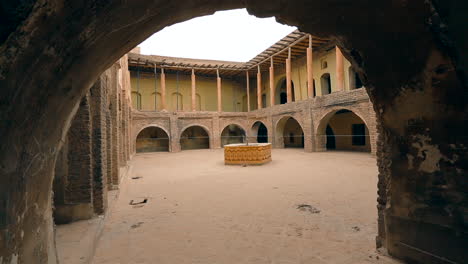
(152, 139)
(344, 129)
(419, 95)
(232, 134)
(194, 137)
(259, 133)
(289, 133)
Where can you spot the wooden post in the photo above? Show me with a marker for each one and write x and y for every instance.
(310, 75)
(248, 90)
(218, 83)
(272, 83)
(194, 100)
(259, 88)
(163, 90)
(288, 76)
(339, 70)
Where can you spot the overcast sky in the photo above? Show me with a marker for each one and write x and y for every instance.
(232, 35)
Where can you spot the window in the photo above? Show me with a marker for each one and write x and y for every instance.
(324, 64)
(359, 134)
(325, 82)
(136, 100)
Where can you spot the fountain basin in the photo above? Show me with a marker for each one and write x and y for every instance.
(253, 154)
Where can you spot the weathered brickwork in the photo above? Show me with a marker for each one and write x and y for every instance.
(99, 151)
(312, 116)
(73, 183)
(89, 163)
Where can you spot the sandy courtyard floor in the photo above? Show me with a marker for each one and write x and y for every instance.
(200, 211)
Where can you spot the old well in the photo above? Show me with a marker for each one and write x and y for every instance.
(252, 153)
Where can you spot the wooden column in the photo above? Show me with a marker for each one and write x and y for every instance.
(218, 84)
(259, 88)
(163, 90)
(339, 70)
(288, 77)
(194, 99)
(248, 90)
(272, 83)
(310, 75)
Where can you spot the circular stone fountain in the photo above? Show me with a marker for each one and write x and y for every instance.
(252, 153)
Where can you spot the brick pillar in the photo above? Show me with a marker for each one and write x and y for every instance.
(248, 90)
(98, 110)
(339, 70)
(308, 129)
(73, 183)
(174, 134)
(215, 142)
(259, 89)
(109, 150)
(310, 74)
(194, 97)
(218, 86)
(272, 83)
(163, 90)
(288, 77)
(115, 135)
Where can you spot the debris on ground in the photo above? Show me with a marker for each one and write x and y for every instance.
(141, 202)
(308, 208)
(137, 225)
(136, 177)
(356, 228)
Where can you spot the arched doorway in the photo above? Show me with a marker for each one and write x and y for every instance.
(281, 95)
(289, 133)
(152, 139)
(194, 137)
(343, 130)
(325, 83)
(260, 132)
(232, 134)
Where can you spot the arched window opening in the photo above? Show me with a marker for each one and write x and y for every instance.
(198, 104)
(152, 139)
(194, 137)
(136, 100)
(325, 82)
(259, 133)
(354, 80)
(281, 95)
(232, 134)
(177, 102)
(323, 64)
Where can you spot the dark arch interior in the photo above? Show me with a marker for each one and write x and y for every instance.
(232, 134)
(347, 131)
(281, 92)
(325, 82)
(261, 132)
(293, 136)
(152, 139)
(194, 137)
(331, 141)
